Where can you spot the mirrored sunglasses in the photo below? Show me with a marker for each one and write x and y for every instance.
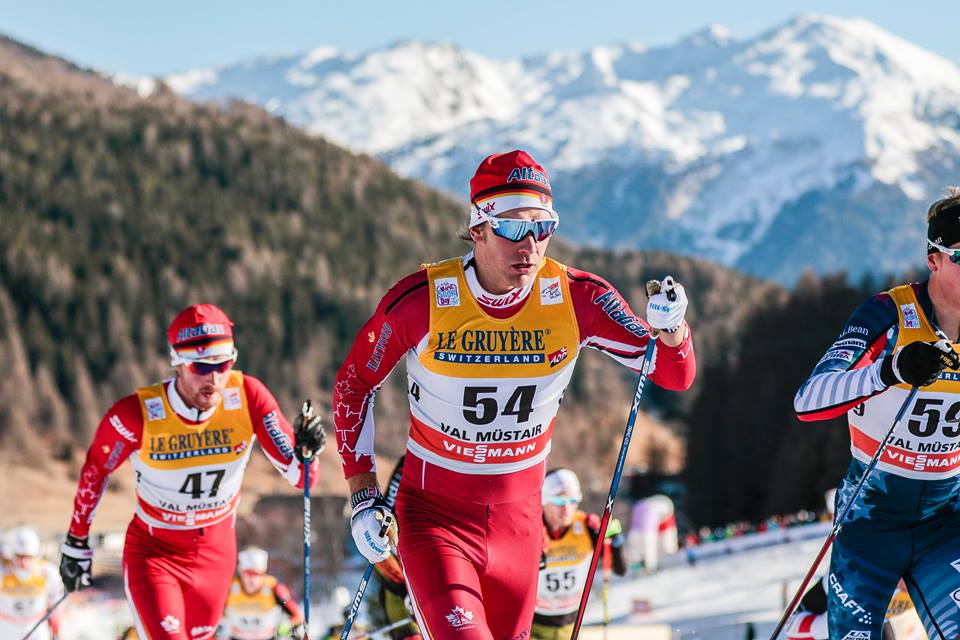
(206, 368)
(953, 253)
(516, 230)
(562, 501)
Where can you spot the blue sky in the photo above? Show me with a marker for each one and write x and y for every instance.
(174, 35)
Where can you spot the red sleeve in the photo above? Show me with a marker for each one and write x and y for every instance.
(118, 435)
(287, 602)
(608, 324)
(275, 433)
(400, 322)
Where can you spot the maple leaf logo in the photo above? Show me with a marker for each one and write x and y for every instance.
(459, 617)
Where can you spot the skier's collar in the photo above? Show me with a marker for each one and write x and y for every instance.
(484, 297)
(181, 408)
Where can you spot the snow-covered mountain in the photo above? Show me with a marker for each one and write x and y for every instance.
(818, 143)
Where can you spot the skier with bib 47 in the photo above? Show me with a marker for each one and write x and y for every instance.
(189, 439)
(906, 521)
(491, 339)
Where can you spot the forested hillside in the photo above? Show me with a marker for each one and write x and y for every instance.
(116, 211)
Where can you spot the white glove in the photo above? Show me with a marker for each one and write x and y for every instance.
(664, 313)
(372, 524)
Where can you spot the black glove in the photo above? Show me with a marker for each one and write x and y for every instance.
(297, 632)
(918, 364)
(76, 561)
(309, 438)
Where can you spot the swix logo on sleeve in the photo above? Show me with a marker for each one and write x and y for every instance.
(613, 307)
(155, 410)
(550, 291)
(125, 433)
(448, 292)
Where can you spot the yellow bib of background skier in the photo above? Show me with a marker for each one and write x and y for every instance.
(925, 443)
(252, 616)
(568, 562)
(484, 392)
(189, 475)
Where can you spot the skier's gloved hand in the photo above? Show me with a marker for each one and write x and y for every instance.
(918, 364)
(614, 527)
(667, 304)
(76, 561)
(309, 437)
(615, 533)
(372, 524)
(298, 632)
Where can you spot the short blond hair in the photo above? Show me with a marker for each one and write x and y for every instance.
(952, 198)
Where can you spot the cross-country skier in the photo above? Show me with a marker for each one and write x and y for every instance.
(189, 439)
(570, 536)
(491, 339)
(29, 585)
(258, 602)
(905, 523)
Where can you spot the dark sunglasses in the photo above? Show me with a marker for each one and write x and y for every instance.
(516, 230)
(206, 368)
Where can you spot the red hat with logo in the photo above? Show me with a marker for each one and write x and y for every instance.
(506, 181)
(201, 333)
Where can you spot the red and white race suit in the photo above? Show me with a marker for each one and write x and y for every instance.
(180, 549)
(486, 375)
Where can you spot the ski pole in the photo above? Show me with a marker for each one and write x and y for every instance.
(362, 587)
(608, 510)
(842, 516)
(306, 411)
(606, 585)
(387, 629)
(47, 615)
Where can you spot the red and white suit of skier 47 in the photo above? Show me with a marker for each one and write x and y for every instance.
(180, 549)
(486, 375)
